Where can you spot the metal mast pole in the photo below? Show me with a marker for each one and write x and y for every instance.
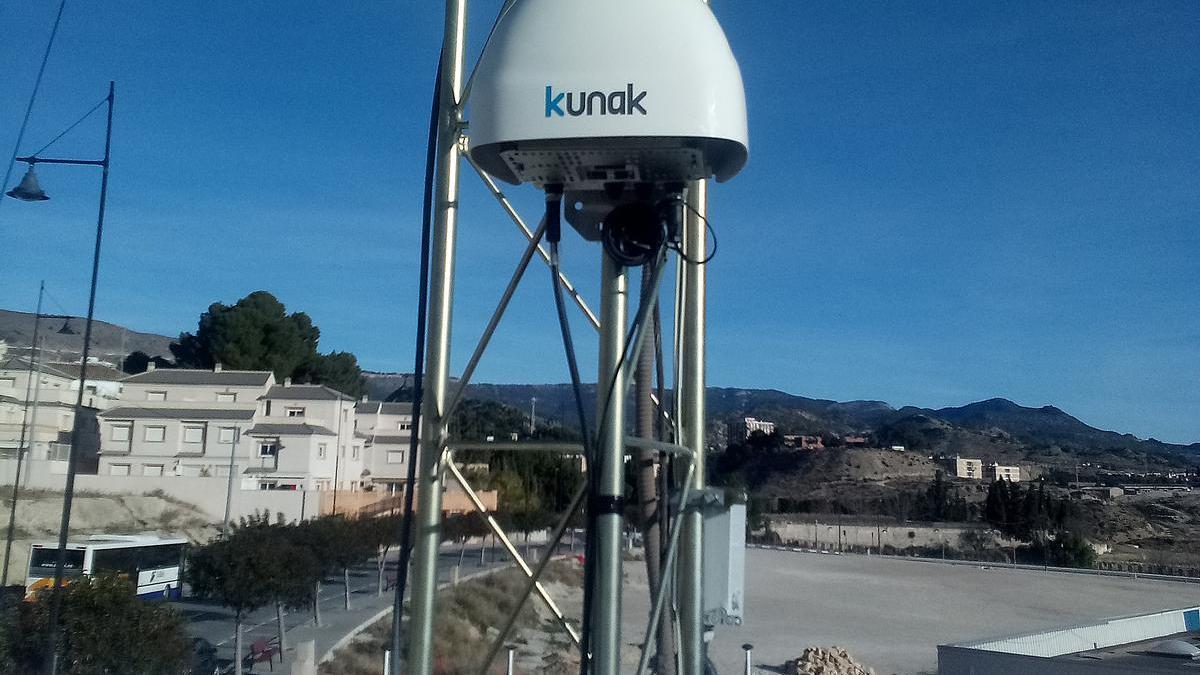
(608, 502)
(35, 364)
(692, 420)
(650, 502)
(431, 476)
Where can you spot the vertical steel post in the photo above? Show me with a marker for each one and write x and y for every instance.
(610, 487)
(430, 478)
(692, 421)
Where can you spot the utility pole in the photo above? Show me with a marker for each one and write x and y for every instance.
(237, 432)
(337, 455)
(532, 415)
(35, 376)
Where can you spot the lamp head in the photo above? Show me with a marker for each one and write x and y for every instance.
(28, 190)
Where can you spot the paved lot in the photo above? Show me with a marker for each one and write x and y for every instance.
(892, 613)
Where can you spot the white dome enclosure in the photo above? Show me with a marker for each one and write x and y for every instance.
(602, 96)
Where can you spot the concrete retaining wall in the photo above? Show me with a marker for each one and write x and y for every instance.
(822, 533)
(206, 493)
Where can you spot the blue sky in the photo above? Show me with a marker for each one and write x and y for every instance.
(944, 202)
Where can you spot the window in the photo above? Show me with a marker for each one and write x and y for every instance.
(191, 470)
(152, 470)
(156, 396)
(8, 383)
(395, 457)
(404, 426)
(155, 434)
(268, 449)
(354, 451)
(120, 432)
(42, 562)
(226, 434)
(295, 412)
(118, 470)
(322, 450)
(226, 397)
(193, 433)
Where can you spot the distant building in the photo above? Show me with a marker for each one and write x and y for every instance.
(971, 469)
(855, 441)
(741, 428)
(1011, 474)
(803, 442)
(898, 448)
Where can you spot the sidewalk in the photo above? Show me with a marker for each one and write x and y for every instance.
(216, 623)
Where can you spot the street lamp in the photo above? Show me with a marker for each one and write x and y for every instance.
(29, 190)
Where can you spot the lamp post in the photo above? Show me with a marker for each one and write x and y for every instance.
(30, 191)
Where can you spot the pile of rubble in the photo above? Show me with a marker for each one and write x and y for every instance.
(821, 661)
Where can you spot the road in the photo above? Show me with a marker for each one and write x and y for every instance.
(215, 623)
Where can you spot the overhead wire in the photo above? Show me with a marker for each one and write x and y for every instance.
(37, 84)
(68, 129)
(405, 554)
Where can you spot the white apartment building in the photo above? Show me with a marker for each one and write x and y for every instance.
(742, 428)
(971, 469)
(975, 469)
(1011, 474)
(182, 422)
(199, 423)
(387, 430)
(46, 409)
(303, 439)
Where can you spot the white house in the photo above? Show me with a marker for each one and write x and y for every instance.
(387, 430)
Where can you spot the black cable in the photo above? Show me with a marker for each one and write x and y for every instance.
(553, 236)
(37, 83)
(418, 377)
(709, 228)
(68, 129)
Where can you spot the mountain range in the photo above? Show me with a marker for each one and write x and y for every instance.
(996, 425)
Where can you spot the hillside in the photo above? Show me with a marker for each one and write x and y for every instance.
(995, 427)
(110, 342)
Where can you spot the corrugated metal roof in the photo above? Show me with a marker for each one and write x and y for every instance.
(230, 378)
(178, 413)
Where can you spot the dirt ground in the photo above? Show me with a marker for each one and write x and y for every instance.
(39, 513)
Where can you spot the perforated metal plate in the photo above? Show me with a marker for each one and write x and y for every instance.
(591, 169)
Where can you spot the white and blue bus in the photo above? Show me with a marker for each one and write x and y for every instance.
(154, 565)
